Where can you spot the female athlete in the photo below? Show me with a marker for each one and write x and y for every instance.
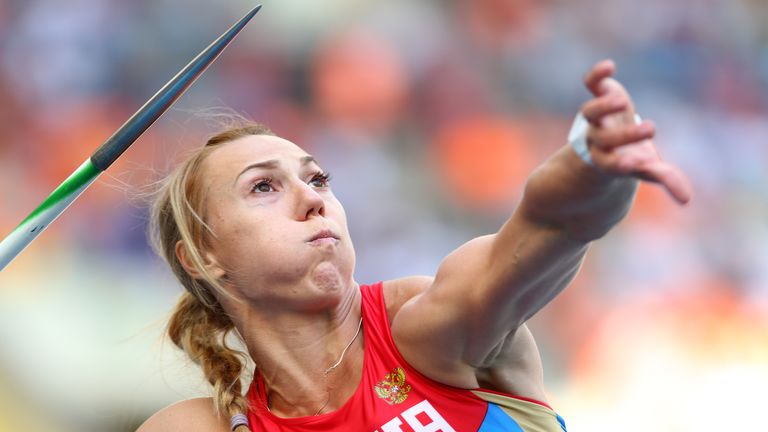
(250, 226)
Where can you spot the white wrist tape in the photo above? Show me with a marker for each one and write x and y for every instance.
(577, 137)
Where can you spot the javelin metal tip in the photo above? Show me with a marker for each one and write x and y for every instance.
(254, 10)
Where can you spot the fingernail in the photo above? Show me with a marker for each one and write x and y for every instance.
(646, 128)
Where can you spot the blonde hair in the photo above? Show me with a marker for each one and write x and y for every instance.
(199, 325)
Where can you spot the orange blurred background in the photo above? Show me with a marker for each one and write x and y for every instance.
(430, 115)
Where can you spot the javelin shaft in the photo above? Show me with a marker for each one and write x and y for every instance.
(113, 147)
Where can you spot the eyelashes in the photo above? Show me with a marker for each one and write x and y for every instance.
(323, 178)
(263, 185)
(319, 180)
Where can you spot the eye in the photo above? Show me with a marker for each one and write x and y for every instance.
(264, 185)
(321, 180)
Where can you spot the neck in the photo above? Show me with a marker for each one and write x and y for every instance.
(294, 353)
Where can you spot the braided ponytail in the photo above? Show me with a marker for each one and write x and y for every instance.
(201, 332)
(199, 325)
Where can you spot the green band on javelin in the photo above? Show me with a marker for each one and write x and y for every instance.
(47, 212)
(83, 175)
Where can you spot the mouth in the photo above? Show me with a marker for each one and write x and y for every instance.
(323, 237)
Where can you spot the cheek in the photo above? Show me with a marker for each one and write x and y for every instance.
(254, 251)
(335, 210)
(252, 240)
(236, 234)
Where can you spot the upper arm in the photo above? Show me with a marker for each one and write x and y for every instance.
(193, 415)
(482, 291)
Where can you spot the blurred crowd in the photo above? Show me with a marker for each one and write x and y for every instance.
(429, 114)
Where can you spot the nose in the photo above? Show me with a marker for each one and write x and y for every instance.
(309, 203)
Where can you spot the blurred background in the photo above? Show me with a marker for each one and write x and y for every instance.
(430, 114)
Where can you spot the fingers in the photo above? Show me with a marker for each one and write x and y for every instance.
(626, 161)
(612, 100)
(607, 139)
(647, 166)
(595, 110)
(598, 73)
(669, 176)
(620, 146)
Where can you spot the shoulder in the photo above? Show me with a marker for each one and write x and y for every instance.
(191, 415)
(398, 292)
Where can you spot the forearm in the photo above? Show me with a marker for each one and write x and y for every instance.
(584, 202)
(492, 284)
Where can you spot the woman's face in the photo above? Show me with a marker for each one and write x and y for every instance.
(280, 234)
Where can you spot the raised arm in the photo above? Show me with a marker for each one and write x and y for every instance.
(487, 288)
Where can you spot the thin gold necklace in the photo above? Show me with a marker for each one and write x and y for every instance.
(341, 357)
(333, 367)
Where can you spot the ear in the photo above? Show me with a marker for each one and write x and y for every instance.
(209, 261)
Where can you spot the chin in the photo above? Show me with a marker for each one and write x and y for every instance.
(328, 278)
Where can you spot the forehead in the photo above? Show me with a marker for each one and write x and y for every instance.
(228, 159)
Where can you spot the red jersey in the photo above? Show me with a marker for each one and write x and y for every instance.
(394, 397)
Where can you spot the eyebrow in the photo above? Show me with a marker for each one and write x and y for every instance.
(274, 163)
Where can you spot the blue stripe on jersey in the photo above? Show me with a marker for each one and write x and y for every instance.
(562, 423)
(497, 420)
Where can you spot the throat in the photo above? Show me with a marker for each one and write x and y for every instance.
(296, 391)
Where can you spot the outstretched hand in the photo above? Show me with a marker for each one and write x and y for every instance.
(620, 146)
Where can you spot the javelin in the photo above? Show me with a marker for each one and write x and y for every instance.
(113, 147)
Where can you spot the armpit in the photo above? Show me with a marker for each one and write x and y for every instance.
(514, 366)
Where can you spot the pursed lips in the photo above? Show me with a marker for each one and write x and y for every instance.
(324, 236)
